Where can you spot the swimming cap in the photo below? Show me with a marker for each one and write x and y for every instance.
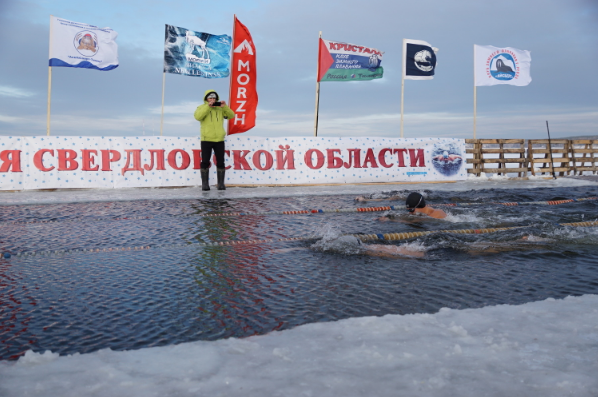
(415, 200)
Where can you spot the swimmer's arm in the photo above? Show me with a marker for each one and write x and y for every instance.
(438, 214)
(432, 212)
(394, 219)
(391, 251)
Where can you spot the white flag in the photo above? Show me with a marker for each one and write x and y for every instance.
(79, 45)
(495, 65)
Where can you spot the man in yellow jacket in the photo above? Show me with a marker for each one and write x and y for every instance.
(211, 116)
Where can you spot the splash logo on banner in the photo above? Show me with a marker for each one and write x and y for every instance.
(195, 53)
(346, 62)
(501, 66)
(447, 158)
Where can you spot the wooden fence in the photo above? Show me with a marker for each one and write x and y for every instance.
(510, 156)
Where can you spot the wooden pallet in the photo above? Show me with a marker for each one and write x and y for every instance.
(584, 156)
(547, 156)
(481, 148)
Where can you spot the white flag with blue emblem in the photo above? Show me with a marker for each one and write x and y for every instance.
(79, 45)
(419, 60)
(507, 65)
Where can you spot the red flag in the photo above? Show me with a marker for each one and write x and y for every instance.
(243, 95)
(325, 60)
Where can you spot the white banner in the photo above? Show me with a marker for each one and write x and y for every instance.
(125, 162)
(79, 45)
(495, 65)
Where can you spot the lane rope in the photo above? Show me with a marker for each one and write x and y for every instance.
(303, 212)
(362, 237)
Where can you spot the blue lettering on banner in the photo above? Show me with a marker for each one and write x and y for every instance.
(416, 173)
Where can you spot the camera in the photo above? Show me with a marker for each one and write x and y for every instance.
(218, 104)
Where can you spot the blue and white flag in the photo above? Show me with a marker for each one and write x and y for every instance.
(507, 65)
(419, 60)
(79, 45)
(196, 54)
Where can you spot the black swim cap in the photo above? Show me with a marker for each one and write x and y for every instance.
(415, 200)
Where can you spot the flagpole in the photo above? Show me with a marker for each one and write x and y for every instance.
(475, 97)
(162, 117)
(49, 82)
(317, 88)
(230, 78)
(402, 87)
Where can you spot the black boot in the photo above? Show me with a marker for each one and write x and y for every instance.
(220, 172)
(205, 176)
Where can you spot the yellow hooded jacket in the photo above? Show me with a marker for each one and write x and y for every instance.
(212, 119)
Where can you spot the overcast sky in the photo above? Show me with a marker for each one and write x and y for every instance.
(562, 36)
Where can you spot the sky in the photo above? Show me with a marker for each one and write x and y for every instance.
(562, 36)
(544, 349)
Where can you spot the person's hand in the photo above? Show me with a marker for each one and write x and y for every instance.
(211, 102)
(222, 104)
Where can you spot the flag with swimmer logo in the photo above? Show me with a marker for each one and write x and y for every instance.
(79, 45)
(348, 62)
(507, 65)
(419, 60)
(198, 54)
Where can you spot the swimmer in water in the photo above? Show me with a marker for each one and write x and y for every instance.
(416, 204)
(353, 245)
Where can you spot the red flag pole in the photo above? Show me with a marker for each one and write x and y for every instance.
(230, 76)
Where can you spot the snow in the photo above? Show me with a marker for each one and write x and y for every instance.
(546, 348)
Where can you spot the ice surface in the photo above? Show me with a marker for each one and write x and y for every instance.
(547, 348)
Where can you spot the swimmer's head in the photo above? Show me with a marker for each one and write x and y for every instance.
(347, 245)
(415, 200)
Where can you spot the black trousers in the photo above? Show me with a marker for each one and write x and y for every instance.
(206, 153)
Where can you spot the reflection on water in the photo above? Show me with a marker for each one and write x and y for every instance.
(126, 300)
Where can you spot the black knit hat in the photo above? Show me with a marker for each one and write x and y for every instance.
(415, 200)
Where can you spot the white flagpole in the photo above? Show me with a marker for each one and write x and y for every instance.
(162, 117)
(403, 87)
(475, 97)
(317, 90)
(49, 81)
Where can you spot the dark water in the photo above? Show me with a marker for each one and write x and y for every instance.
(82, 302)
